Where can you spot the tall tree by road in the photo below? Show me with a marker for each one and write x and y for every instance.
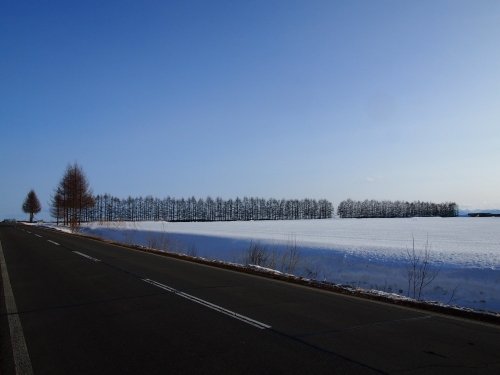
(31, 205)
(73, 197)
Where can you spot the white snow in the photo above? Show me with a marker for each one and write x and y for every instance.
(361, 253)
(464, 242)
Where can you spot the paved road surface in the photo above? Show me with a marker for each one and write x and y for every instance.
(85, 307)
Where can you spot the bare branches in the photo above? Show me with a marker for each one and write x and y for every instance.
(31, 205)
(291, 256)
(257, 254)
(284, 260)
(73, 197)
(420, 273)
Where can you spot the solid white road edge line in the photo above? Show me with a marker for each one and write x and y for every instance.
(210, 305)
(86, 256)
(55, 243)
(20, 353)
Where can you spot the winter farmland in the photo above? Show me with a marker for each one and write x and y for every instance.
(378, 254)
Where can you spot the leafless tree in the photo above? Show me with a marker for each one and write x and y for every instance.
(31, 205)
(56, 207)
(419, 270)
(257, 254)
(291, 256)
(73, 197)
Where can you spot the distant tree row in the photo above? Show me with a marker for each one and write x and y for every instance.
(109, 208)
(373, 208)
(73, 203)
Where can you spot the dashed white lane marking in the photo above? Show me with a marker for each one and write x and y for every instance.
(55, 243)
(210, 305)
(20, 353)
(28, 232)
(38, 235)
(86, 256)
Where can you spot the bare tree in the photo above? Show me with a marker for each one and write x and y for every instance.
(31, 205)
(419, 271)
(73, 197)
(291, 256)
(56, 206)
(257, 254)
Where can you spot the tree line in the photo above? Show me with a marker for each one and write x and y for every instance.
(109, 208)
(391, 209)
(73, 203)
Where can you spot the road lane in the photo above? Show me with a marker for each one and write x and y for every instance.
(81, 316)
(311, 329)
(20, 355)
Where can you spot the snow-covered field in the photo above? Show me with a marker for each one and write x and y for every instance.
(365, 253)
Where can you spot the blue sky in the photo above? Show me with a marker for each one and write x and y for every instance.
(285, 99)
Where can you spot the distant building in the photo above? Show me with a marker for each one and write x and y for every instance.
(482, 214)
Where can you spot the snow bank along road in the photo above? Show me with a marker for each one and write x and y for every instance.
(84, 307)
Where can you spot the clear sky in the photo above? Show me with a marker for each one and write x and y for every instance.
(284, 99)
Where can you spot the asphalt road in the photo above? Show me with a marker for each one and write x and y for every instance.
(86, 307)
